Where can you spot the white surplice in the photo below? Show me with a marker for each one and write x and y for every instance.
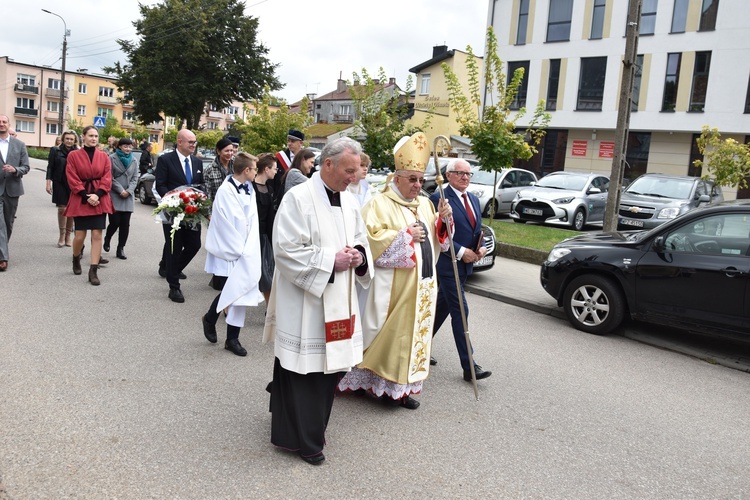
(233, 246)
(307, 234)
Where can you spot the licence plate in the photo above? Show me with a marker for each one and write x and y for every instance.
(532, 211)
(485, 261)
(631, 222)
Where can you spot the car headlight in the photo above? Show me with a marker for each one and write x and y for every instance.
(563, 201)
(668, 213)
(557, 253)
(479, 193)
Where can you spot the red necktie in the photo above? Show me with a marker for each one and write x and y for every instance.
(469, 212)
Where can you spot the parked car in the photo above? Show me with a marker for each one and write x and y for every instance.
(563, 198)
(692, 272)
(653, 199)
(509, 181)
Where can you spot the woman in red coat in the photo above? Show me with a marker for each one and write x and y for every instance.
(89, 174)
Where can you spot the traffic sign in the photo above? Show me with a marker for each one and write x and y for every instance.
(99, 121)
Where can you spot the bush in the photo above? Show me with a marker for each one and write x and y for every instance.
(40, 154)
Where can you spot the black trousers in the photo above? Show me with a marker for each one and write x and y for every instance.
(177, 256)
(121, 221)
(448, 304)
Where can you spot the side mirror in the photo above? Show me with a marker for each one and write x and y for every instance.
(594, 190)
(704, 198)
(659, 244)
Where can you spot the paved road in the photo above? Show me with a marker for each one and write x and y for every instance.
(112, 391)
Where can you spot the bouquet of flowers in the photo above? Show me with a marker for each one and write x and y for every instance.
(183, 206)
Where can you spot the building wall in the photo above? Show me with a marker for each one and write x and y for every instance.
(671, 131)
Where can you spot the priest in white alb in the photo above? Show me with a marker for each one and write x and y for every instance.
(406, 236)
(321, 250)
(233, 252)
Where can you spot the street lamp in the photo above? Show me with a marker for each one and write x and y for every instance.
(62, 79)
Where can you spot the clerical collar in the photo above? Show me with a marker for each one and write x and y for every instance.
(333, 197)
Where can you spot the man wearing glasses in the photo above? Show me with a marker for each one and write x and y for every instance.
(469, 246)
(179, 168)
(406, 236)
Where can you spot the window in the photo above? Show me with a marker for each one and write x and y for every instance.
(700, 81)
(552, 84)
(636, 154)
(520, 100)
(679, 16)
(103, 112)
(636, 83)
(153, 138)
(523, 22)
(53, 128)
(708, 15)
(671, 82)
(597, 19)
(648, 17)
(233, 110)
(81, 110)
(591, 83)
(24, 125)
(211, 125)
(213, 107)
(26, 80)
(53, 106)
(106, 91)
(747, 98)
(128, 115)
(53, 83)
(424, 87)
(23, 102)
(345, 109)
(558, 25)
(82, 88)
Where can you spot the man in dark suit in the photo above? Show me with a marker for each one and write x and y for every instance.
(469, 246)
(284, 158)
(15, 164)
(179, 168)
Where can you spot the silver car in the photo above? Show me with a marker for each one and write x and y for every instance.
(563, 199)
(508, 181)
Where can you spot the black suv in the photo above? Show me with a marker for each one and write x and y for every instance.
(692, 272)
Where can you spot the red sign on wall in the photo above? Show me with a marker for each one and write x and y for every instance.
(579, 148)
(606, 149)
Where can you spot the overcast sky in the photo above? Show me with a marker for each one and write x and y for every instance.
(314, 41)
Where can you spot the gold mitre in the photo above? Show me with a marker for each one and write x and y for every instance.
(412, 153)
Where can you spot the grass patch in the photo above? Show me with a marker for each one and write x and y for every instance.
(529, 235)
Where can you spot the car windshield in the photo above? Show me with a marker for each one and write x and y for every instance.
(572, 182)
(483, 177)
(662, 187)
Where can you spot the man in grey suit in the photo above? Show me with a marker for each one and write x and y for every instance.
(15, 163)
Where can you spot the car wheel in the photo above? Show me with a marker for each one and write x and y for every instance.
(579, 220)
(491, 206)
(594, 304)
(143, 197)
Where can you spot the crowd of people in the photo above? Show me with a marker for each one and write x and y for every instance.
(356, 283)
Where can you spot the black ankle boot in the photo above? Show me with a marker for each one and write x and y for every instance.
(121, 253)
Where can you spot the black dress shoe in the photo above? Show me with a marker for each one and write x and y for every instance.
(106, 245)
(182, 276)
(478, 371)
(433, 361)
(235, 346)
(314, 460)
(409, 403)
(175, 295)
(209, 330)
(103, 261)
(163, 272)
(121, 253)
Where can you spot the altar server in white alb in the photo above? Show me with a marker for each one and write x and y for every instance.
(233, 246)
(321, 250)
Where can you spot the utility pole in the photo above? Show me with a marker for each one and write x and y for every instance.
(622, 129)
(61, 121)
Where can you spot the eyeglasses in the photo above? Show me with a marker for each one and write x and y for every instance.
(413, 179)
(192, 143)
(462, 174)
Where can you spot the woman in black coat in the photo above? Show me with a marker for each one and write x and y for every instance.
(57, 184)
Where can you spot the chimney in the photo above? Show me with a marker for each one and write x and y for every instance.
(341, 85)
(439, 50)
(392, 81)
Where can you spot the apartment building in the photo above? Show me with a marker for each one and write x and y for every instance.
(693, 70)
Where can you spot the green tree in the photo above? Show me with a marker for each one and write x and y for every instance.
(266, 130)
(208, 138)
(111, 129)
(727, 161)
(381, 115)
(189, 53)
(495, 138)
(140, 133)
(75, 125)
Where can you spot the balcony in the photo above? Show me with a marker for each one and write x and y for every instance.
(128, 123)
(22, 88)
(342, 118)
(216, 115)
(26, 112)
(107, 100)
(52, 115)
(155, 126)
(54, 93)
